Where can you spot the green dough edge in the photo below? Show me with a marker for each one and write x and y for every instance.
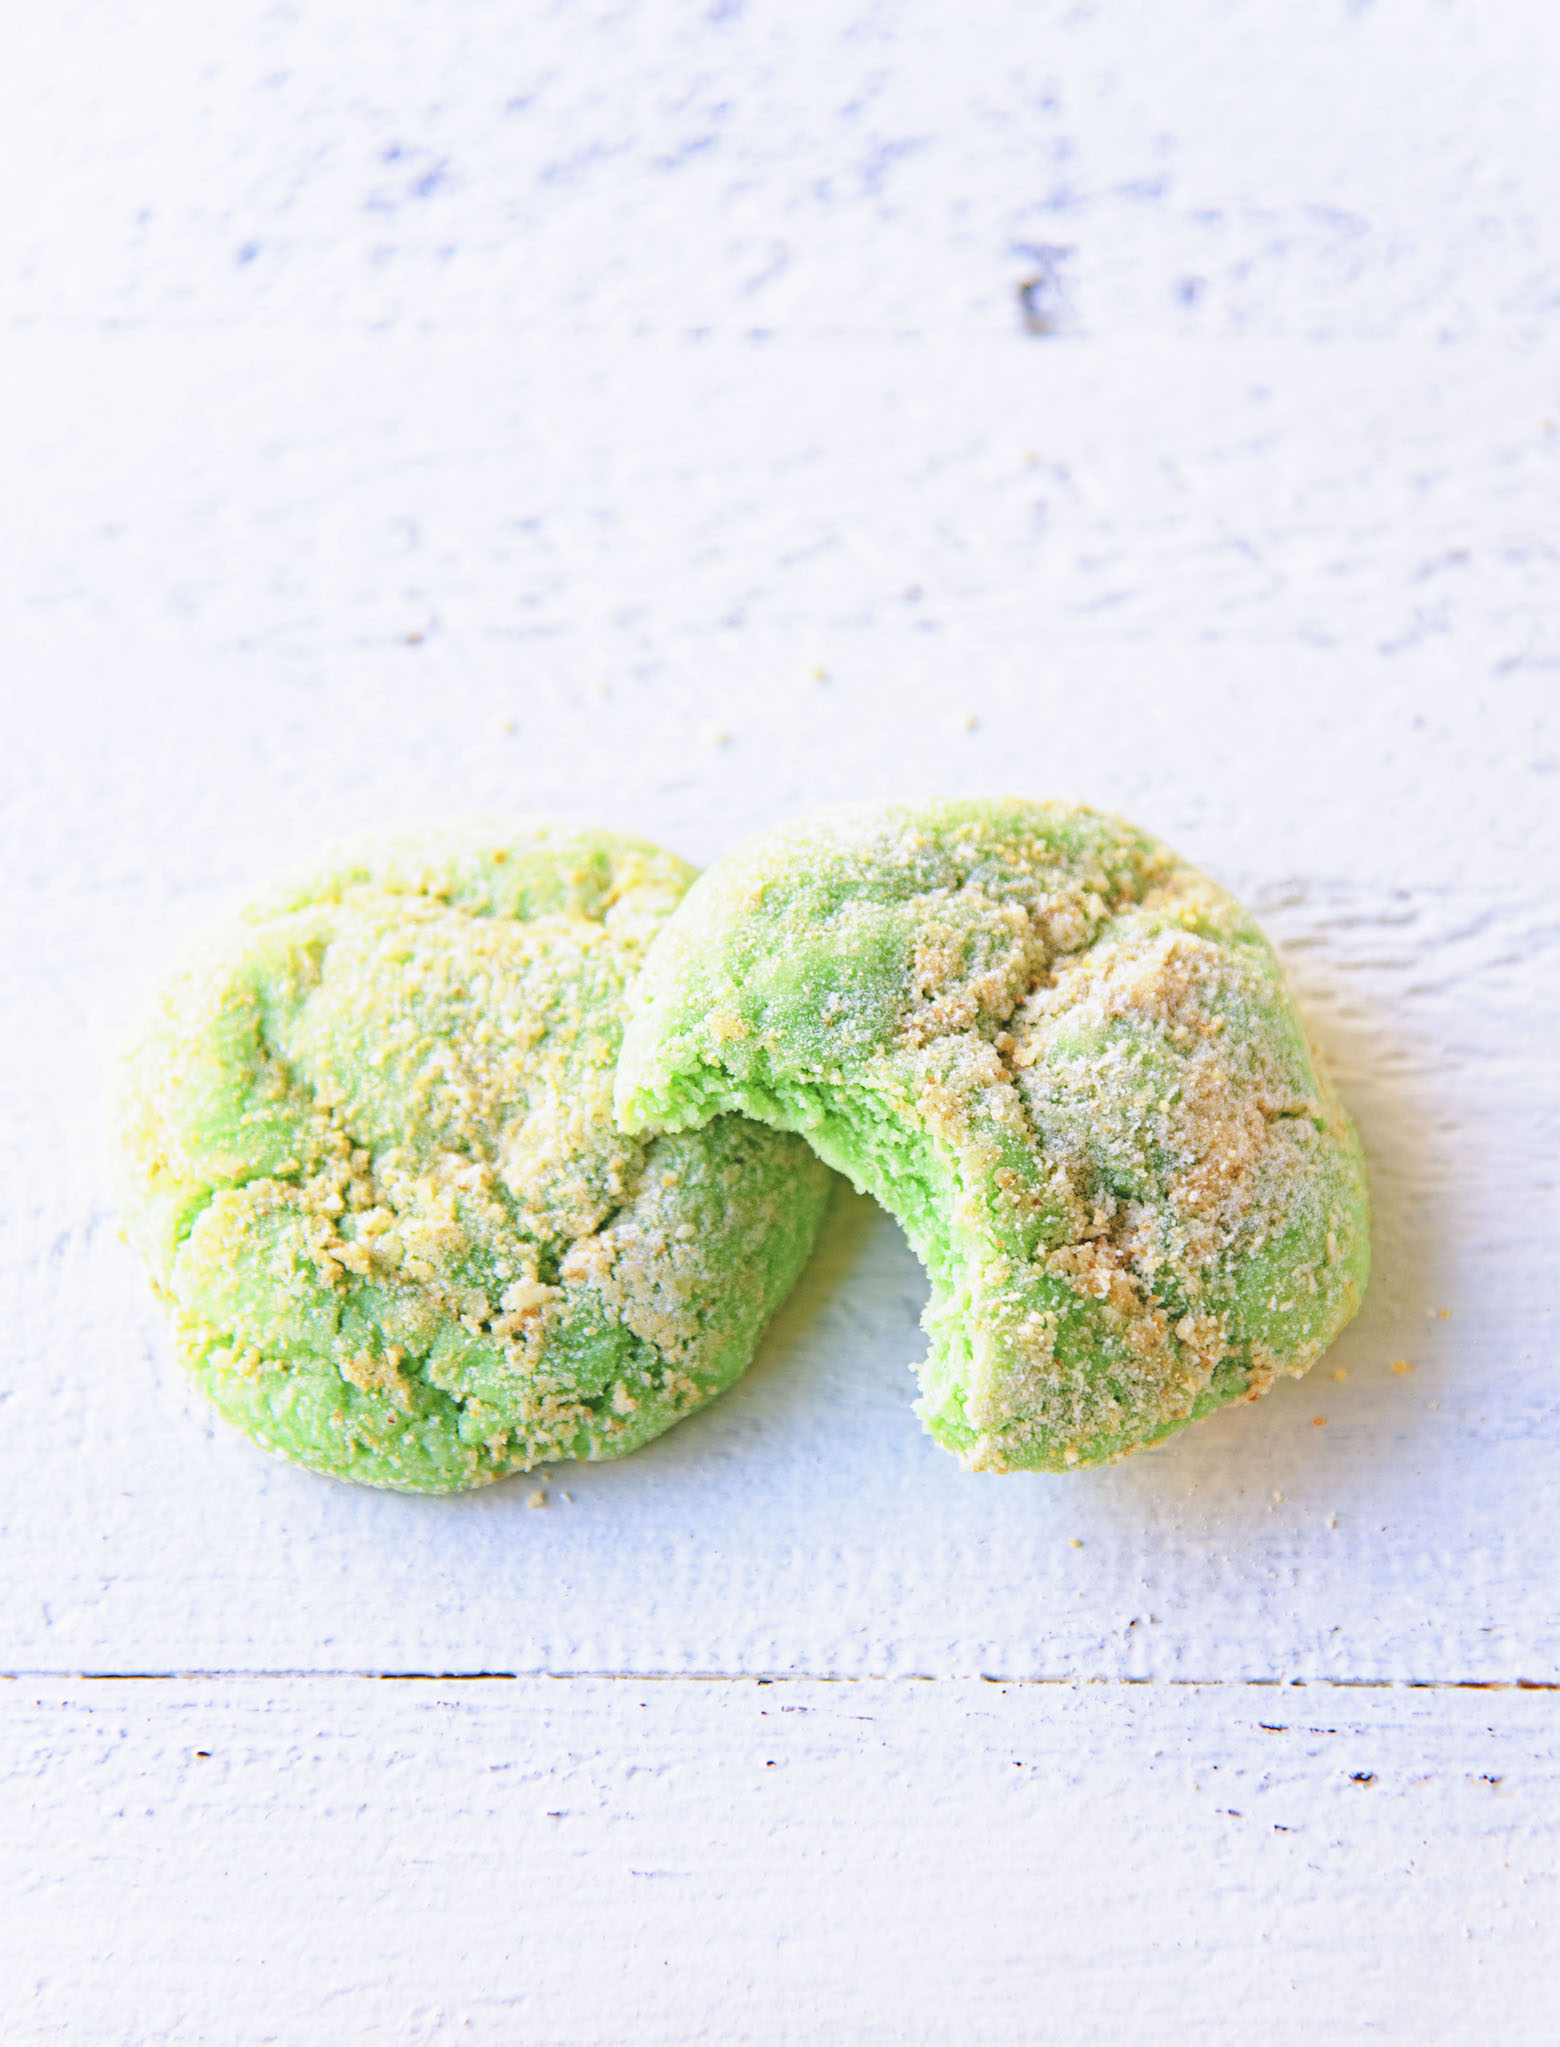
(364, 1143)
(1067, 1063)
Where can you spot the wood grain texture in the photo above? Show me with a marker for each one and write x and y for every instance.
(894, 170)
(587, 1861)
(678, 419)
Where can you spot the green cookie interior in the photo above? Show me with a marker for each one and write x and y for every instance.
(1067, 1063)
(365, 1145)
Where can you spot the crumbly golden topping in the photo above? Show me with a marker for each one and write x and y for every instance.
(1068, 1063)
(374, 1128)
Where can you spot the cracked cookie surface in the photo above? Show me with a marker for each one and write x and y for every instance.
(1067, 1063)
(366, 1148)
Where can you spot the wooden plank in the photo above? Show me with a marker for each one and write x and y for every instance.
(1379, 171)
(1394, 827)
(805, 1525)
(585, 1861)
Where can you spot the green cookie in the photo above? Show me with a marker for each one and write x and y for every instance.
(1066, 1062)
(365, 1145)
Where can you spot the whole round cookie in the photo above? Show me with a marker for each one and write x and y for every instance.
(1067, 1063)
(365, 1145)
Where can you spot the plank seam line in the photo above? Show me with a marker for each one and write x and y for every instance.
(195, 1675)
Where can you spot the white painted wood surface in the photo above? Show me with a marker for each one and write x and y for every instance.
(599, 1861)
(630, 413)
